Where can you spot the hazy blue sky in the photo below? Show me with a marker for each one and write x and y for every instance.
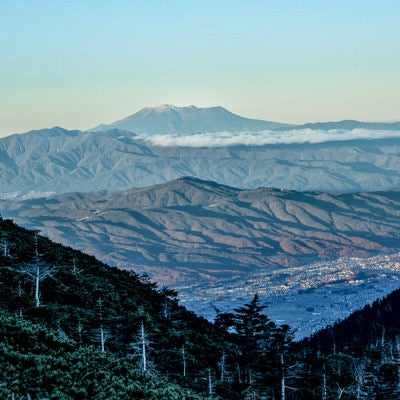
(80, 63)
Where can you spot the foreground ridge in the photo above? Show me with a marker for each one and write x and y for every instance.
(103, 333)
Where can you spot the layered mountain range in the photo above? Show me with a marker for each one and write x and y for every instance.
(217, 245)
(122, 192)
(190, 230)
(58, 161)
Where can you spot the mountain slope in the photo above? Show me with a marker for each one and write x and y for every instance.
(59, 161)
(168, 119)
(27, 347)
(217, 244)
(54, 351)
(188, 228)
(82, 341)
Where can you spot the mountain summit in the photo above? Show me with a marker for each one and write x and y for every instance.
(168, 119)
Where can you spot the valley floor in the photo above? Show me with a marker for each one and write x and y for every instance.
(308, 297)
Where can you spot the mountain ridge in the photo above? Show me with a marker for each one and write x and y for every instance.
(191, 119)
(200, 227)
(58, 161)
(217, 244)
(350, 124)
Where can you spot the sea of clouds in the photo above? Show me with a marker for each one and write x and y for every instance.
(221, 139)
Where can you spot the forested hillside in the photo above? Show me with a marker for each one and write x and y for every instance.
(39, 364)
(75, 328)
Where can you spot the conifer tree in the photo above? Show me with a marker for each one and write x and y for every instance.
(253, 330)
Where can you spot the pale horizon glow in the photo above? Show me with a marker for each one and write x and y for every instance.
(80, 64)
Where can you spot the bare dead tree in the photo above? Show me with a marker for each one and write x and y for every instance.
(184, 360)
(141, 347)
(37, 271)
(101, 334)
(210, 383)
(6, 248)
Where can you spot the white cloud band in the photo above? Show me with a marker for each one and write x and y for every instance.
(221, 139)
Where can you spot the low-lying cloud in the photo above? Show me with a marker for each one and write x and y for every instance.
(222, 139)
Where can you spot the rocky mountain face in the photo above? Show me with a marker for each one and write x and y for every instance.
(190, 230)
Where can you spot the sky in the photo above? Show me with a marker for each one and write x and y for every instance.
(77, 64)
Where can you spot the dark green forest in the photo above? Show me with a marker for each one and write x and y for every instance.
(72, 327)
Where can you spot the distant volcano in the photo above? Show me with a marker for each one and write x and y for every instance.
(168, 119)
